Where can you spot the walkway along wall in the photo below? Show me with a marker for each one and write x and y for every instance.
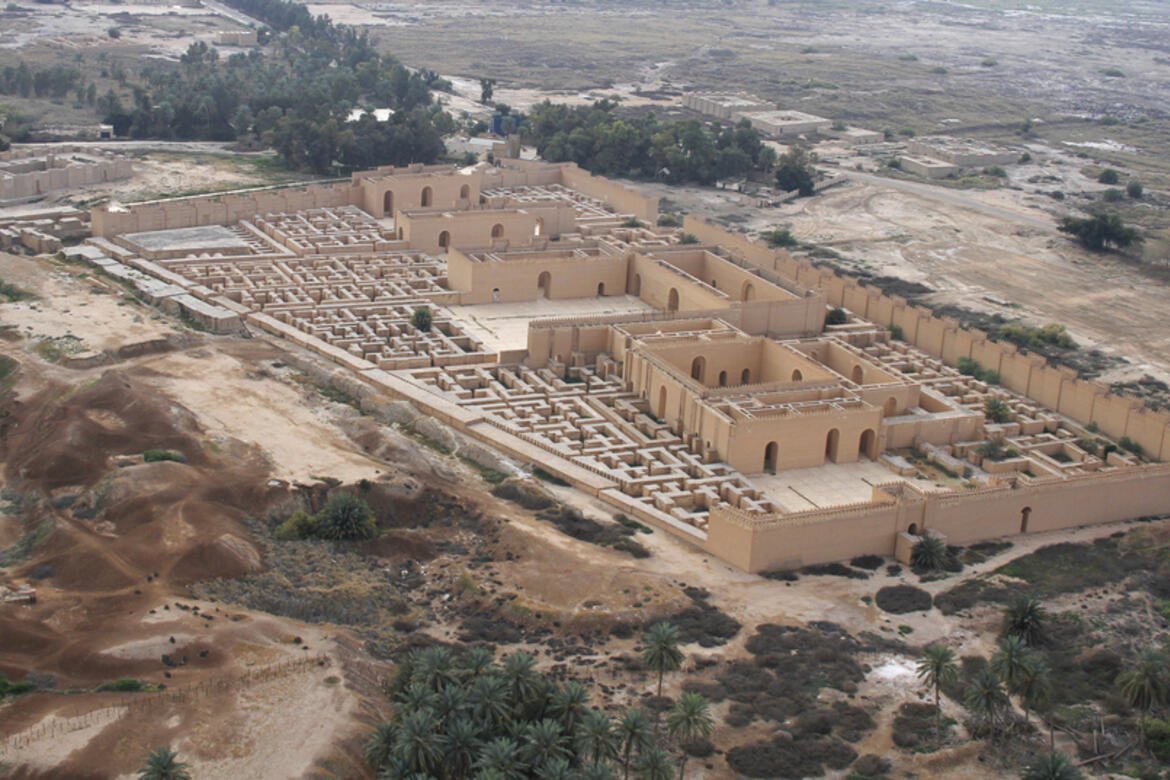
(1057, 388)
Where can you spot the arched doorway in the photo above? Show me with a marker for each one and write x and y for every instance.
(831, 445)
(388, 204)
(867, 445)
(698, 368)
(538, 231)
(496, 296)
(858, 375)
(637, 288)
(444, 240)
(749, 291)
(797, 376)
(662, 403)
(913, 529)
(723, 379)
(544, 284)
(1025, 514)
(497, 230)
(672, 300)
(770, 453)
(428, 196)
(891, 407)
(601, 289)
(465, 192)
(746, 377)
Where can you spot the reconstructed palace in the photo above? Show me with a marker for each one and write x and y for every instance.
(686, 377)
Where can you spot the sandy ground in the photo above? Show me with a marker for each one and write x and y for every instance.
(267, 413)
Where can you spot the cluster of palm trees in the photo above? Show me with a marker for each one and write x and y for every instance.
(1018, 669)
(465, 715)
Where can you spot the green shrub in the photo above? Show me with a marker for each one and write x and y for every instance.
(837, 316)
(996, 410)
(346, 516)
(1113, 195)
(669, 220)
(153, 456)
(1134, 189)
(996, 171)
(1129, 445)
(780, 237)
(525, 494)
(1109, 176)
(896, 333)
(125, 685)
(1158, 739)
(299, 525)
(8, 688)
(422, 319)
(689, 238)
(632, 222)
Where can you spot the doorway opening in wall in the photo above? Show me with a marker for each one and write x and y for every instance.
(749, 291)
(891, 407)
(723, 379)
(544, 284)
(797, 376)
(770, 453)
(913, 529)
(538, 231)
(497, 231)
(428, 197)
(698, 368)
(465, 192)
(444, 240)
(662, 403)
(1025, 514)
(672, 300)
(746, 377)
(637, 288)
(866, 445)
(831, 444)
(858, 375)
(495, 295)
(601, 289)
(388, 204)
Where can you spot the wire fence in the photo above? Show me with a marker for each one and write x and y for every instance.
(156, 701)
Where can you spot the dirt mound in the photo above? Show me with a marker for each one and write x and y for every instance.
(58, 438)
(227, 556)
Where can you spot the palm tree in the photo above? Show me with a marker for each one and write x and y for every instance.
(688, 721)
(654, 764)
(519, 671)
(478, 662)
(420, 743)
(162, 763)
(568, 704)
(660, 651)
(542, 742)
(634, 731)
(929, 553)
(380, 747)
(1144, 685)
(595, 738)
(450, 701)
(1035, 689)
(1011, 661)
(489, 700)
(937, 668)
(501, 756)
(435, 668)
(1054, 766)
(595, 772)
(461, 747)
(555, 769)
(986, 698)
(1025, 617)
(416, 696)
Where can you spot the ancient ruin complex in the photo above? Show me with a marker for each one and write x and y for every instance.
(696, 386)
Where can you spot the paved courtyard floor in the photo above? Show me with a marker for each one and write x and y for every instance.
(834, 484)
(504, 326)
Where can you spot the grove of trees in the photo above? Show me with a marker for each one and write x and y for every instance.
(599, 140)
(296, 96)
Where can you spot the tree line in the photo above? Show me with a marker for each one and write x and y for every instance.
(599, 140)
(296, 97)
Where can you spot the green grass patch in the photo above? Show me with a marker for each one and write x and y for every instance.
(10, 293)
(490, 475)
(26, 544)
(126, 685)
(12, 688)
(154, 456)
(550, 478)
